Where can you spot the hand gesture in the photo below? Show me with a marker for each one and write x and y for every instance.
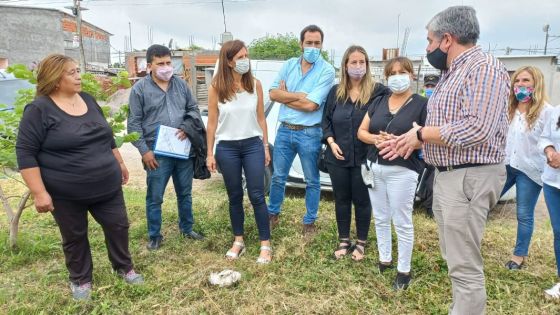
(337, 152)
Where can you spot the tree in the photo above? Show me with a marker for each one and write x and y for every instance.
(279, 47)
(9, 129)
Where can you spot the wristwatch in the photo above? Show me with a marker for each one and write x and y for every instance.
(419, 134)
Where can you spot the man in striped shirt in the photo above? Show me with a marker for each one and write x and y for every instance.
(464, 138)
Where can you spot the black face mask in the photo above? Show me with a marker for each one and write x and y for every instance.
(438, 59)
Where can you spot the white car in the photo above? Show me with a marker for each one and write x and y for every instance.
(266, 71)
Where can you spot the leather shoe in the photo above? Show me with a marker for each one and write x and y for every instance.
(193, 235)
(512, 265)
(309, 229)
(274, 219)
(154, 243)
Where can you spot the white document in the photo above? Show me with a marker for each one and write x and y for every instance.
(167, 143)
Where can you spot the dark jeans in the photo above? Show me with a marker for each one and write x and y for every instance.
(552, 199)
(72, 219)
(182, 173)
(348, 188)
(245, 155)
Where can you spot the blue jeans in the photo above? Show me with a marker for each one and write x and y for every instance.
(247, 155)
(527, 195)
(182, 173)
(552, 199)
(307, 144)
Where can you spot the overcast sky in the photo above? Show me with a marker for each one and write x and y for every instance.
(372, 24)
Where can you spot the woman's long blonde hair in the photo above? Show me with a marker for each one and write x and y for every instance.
(537, 101)
(367, 83)
(49, 73)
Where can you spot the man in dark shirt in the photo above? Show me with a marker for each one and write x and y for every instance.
(161, 98)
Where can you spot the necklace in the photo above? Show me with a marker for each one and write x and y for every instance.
(67, 104)
(395, 109)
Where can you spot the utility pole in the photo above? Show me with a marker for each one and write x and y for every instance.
(545, 29)
(130, 35)
(78, 14)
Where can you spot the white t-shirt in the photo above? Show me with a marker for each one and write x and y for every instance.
(522, 151)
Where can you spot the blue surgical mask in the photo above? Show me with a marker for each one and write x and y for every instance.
(429, 92)
(311, 54)
(242, 66)
(398, 83)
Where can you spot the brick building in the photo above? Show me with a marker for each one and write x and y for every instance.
(29, 34)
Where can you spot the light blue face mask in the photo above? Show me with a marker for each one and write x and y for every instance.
(311, 54)
(429, 92)
(242, 66)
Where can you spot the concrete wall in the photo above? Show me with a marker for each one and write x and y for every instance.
(29, 34)
(548, 66)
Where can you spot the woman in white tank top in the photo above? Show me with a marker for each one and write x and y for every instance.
(237, 125)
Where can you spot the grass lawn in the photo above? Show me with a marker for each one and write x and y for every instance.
(302, 279)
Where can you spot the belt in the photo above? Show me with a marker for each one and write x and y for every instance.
(456, 167)
(298, 127)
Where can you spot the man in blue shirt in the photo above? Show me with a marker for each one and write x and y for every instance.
(302, 87)
(162, 98)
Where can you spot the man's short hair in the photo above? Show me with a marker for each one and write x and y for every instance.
(157, 51)
(459, 21)
(432, 79)
(311, 29)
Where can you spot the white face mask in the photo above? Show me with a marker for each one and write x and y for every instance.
(242, 66)
(399, 83)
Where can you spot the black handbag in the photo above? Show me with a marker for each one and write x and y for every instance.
(322, 161)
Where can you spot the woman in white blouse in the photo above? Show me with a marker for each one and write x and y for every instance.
(550, 145)
(236, 122)
(524, 161)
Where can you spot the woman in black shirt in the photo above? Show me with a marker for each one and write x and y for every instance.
(346, 105)
(68, 158)
(392, 194)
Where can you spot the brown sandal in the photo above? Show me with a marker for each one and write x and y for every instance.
(346, 245)
(360, 247)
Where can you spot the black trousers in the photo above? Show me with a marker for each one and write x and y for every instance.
(71, 217)
(348, 189)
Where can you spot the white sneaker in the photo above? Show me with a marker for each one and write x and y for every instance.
(554, 292)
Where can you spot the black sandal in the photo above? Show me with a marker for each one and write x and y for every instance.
(360, 247)
(346, 245)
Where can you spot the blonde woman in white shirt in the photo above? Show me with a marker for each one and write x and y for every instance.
(524, 161)
(549, 144)
(236, 122)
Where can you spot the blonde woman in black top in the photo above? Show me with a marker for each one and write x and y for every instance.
(346, 105)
